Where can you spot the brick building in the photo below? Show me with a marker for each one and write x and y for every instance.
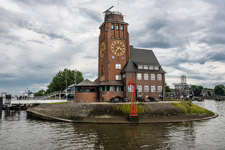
(118, 63)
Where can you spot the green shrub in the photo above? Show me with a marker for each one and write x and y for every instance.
(125, 108)
(193, 109)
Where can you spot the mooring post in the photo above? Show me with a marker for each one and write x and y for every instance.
(1, 103)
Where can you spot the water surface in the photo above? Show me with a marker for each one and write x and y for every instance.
(19, 132)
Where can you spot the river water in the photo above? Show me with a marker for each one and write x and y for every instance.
(21, 133)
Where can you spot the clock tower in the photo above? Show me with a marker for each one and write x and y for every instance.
(114, 50)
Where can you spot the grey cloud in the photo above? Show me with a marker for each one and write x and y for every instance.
(91, 14)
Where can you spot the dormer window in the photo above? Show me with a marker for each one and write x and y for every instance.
(140, 66)
(150, 67)
(156, 67)
(145, 67)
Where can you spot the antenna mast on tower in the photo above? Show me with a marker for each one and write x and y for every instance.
(118, 3)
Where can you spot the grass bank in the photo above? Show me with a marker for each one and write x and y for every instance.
(191, 109)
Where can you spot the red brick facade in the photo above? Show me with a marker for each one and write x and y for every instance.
(146, 82)
(86, 97)
(115, 30)
(106, 64)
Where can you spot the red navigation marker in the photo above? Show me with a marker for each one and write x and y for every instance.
(133, 106)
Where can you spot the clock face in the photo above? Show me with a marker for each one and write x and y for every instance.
(118, 48)
(102, 50)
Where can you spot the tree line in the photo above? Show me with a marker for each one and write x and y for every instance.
(61, 80)
(197, 89)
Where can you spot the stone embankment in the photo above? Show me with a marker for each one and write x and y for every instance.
(113, 113)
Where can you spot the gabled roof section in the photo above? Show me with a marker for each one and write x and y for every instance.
(143, 57)
(87, 83)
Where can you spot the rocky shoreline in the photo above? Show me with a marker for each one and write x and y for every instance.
(112, 113)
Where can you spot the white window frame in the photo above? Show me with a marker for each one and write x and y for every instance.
(153, 88)
(139, 87)
(145, 67)
(118, 77)
(129, 88)
(150, 67)
(140, 66)
(118, 66)
(159, 77)
(159, 88)
(156, 68)
(139, 76)
(146, 88)
(146, 76)
(152, 76)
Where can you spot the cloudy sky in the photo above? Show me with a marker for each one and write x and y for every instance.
(40, 37)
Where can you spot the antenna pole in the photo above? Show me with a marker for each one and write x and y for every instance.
(118, 5)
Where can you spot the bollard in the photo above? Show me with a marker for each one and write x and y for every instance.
(1, 103)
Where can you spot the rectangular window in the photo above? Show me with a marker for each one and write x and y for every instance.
(139, 87)
(121, 27)
(152, 76)
(159, 77)
(152, 88)
(156, 67)
(145, 76)
(146, 88)
(100, 89)
(118, 88)
(112, 27)
(140, 66)
(122, 57)
(117, 27)
(112, 57)
(139, 76)
(129, 88)
(112, 88)
(118, 77)
(145, 67)
(159, 89)
(150, 67)
(118, 66)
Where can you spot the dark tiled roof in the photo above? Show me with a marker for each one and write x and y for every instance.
(87, 83)
(141, 57)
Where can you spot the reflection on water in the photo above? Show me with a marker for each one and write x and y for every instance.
(19, 132)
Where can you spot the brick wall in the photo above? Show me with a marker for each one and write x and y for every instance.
(86, 97)
(107, 95)
(148, 82)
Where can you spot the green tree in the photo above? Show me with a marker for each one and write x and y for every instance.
(220, 90)
(196, 89)
(39, 93)
(58, 82)
(168, 88)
